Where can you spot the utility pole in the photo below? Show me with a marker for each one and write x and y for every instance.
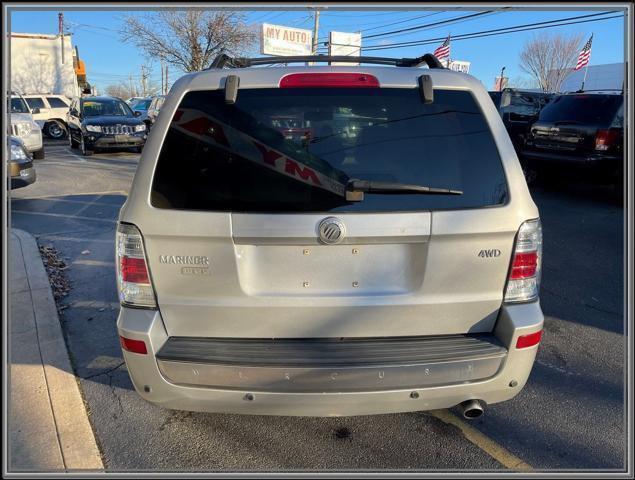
(316, 29)
(60, 18)
(144, 85)
(167, 85)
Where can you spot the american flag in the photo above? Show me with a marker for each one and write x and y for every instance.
(443, 51)
(585, 54)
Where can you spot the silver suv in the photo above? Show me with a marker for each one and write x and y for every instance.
(329, 240)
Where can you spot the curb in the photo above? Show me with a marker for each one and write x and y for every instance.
(74, 433)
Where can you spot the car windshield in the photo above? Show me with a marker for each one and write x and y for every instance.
(105, 107)
(295, 150)
(582, 108)
(141, 104)
(18, 105)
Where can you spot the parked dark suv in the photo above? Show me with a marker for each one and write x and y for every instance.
(579, 131)
(104, 122)
(519, 111)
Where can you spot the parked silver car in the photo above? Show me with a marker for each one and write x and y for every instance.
(329, 240)
(23, 126)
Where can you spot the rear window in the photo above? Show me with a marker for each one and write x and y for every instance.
(585, 109)
(55, 102)
(294, 150)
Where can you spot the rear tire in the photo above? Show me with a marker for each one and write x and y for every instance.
(39, 154)
(55, 129)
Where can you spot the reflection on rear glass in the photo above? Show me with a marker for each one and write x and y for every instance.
(294, 150)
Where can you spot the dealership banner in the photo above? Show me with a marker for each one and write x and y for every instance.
(459, 66)
(285, 41)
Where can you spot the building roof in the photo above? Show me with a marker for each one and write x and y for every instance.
(41, 36)
(609, 76)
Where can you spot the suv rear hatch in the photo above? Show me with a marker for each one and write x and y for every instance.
(570, 123)
(243, 189)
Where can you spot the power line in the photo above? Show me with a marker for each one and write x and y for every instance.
(402, 21)
(420, 27)
(389, 24)
(497, 31)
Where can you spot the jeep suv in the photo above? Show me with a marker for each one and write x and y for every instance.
(104, 123)
(580, 133)
(329, 240)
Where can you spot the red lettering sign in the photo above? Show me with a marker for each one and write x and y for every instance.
(306, 173)
(269, 156)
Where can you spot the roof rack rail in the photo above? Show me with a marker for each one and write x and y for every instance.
(224, 60)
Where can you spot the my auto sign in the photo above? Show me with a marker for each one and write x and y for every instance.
(285, 41)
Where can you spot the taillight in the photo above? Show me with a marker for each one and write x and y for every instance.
(133, 280)
(523, 284)
(134, 346)
(529, 340)
(334, 80)
(604, 139)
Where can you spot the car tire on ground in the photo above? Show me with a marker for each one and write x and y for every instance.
(55, 129)
(83, 149)
(71, 143)
(39, 154)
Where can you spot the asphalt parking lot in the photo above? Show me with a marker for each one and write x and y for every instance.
(569, 416)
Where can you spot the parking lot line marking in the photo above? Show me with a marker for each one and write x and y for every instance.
(482, 441)
(94, 263)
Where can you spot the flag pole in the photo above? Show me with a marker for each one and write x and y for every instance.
(586, 68)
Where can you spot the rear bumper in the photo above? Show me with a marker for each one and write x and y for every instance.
(240, 394)
(593, 163)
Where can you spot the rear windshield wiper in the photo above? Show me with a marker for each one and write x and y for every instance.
(355, 189)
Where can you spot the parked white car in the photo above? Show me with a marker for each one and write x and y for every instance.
(52, 113)
(24, 127)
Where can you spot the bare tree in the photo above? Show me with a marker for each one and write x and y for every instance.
(522, 82)
(550, 58)
(120, 91)
(188, 40)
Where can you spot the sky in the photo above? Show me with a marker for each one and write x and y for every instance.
(110, 61)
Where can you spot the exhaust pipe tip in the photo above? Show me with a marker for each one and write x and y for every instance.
(472, 409)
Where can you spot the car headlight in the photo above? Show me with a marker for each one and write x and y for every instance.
(18, 154)
(140, 128)
(93, 128)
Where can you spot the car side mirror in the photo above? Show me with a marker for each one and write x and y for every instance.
(506, 99)
(137, 113)
(35, 111)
